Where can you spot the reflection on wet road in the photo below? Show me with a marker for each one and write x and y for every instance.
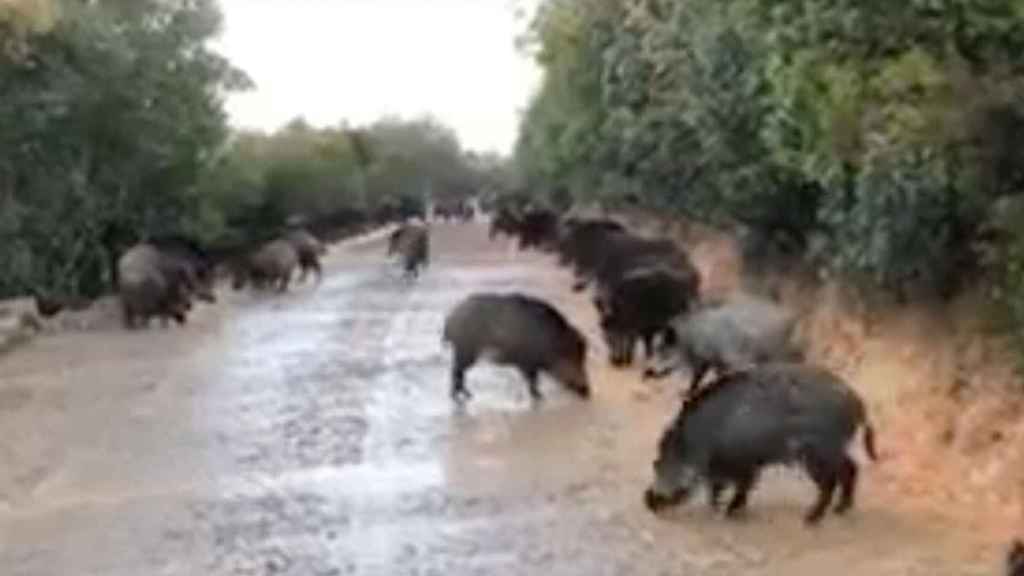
(311, 434)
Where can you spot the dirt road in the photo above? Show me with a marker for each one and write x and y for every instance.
(311, 434)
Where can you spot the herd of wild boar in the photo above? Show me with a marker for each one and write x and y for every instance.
(764, 404)
(752, 399)
(162, 277)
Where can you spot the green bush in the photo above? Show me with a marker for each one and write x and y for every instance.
(881, 132)
(112, 129)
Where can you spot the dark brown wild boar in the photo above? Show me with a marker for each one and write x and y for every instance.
(771, 414)
(517, 330)
(412, 244)
(640, 306)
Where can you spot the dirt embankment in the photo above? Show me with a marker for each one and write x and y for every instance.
(944, 395)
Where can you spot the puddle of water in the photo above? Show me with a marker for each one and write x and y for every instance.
(361, 480)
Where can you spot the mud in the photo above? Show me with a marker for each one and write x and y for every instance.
(311, 433)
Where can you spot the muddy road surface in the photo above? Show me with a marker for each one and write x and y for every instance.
(311, 434)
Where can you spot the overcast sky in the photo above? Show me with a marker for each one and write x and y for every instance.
(329, 60)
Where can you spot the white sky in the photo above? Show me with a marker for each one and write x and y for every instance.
(357, 60)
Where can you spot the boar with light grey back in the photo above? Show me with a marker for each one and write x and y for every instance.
(309, 250)
(269, 266)
(153, 284)
(737, 333)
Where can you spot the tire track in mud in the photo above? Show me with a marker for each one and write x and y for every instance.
(298, 445)
(295, 511)
(410, 414)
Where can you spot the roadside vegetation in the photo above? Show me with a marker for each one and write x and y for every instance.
(880, 144)
(113, 129)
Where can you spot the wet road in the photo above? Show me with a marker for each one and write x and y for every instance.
(311, 434)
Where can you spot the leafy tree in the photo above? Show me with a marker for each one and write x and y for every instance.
(869, 137)
(334, 175)
(112, 130)
(108, 117)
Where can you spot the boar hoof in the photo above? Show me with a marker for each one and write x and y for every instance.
(652, 501)
(813, 518)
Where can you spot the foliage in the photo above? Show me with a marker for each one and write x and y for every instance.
(869, 137)
(108, 116)
(392, 167)
(112, 130)
(1002, 249)
(261, 180)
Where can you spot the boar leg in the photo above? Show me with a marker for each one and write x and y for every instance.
(621, 350)
(715, 493)
(743, 483)
(532, 376)
(613, 349)
(648, 340)
(848, 485)
(460, 365)
(613, 346)
(629, 342)
(128, 316)
(825, 477)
